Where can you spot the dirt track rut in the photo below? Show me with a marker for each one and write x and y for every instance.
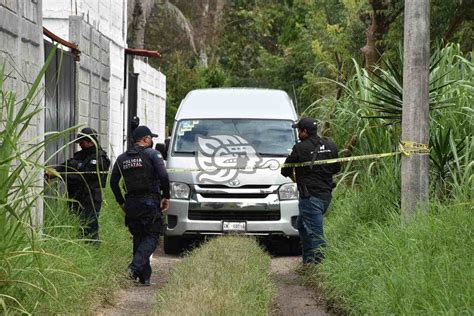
(291, 297)
(138, 300)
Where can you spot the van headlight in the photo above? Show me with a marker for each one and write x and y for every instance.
(288, 191)
(180, 191)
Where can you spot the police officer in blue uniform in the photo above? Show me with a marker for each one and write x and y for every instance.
(84, 181)
(146, 187)
(315, 185)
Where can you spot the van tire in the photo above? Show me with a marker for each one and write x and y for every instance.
(172, 245)
(294, 244)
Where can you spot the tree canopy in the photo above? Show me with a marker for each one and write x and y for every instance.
(290, 45)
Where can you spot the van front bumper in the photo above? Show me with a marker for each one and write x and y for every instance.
(179, 222)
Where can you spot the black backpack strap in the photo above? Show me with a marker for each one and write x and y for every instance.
(315, 152)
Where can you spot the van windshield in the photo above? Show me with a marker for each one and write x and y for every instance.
(267, 137)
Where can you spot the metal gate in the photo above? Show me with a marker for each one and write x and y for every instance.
(132, 102)
(60, 103)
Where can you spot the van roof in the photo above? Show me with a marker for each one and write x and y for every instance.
(236, 103)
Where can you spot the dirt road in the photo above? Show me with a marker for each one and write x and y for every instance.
(292, 298)
(138, 300)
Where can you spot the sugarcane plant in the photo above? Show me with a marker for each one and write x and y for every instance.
(24, 264)
(367, 118)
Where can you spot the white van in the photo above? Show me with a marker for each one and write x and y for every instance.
(223, 161)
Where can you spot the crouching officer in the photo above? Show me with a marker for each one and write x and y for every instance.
(144, 174)
(85, 178)
(315, 185)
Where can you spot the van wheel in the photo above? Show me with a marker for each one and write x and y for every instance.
(294, 244)
(172, 245)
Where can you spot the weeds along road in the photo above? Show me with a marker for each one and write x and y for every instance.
(290, 298)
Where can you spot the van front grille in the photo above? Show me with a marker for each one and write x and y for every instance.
(223, 195)
(223, 186)
(234, 215)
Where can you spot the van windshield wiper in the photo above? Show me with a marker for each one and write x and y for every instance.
(272, 154)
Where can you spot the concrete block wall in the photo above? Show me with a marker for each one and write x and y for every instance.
(93, 76)
(151, 98)
(22, 52)
(109, 17)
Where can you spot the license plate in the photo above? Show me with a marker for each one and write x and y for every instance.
(239, 227)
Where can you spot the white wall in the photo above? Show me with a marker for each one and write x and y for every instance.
(110, 18)
(22, 54)
(118, 105)
(151, 98)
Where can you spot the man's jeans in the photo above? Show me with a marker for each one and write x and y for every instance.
(310, 227)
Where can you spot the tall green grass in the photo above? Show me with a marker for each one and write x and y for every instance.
(72, 271)
(374, 264)
(226, 276)
(385, 267)
(20, 191)
(98, 271)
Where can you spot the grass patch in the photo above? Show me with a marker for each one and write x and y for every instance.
(374, 264)
(72, 271)
(226, 276)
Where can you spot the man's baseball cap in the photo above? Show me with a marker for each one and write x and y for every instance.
(86, 134)
(306, 123)
(142, 131)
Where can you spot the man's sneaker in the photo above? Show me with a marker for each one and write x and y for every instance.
(144, 283)
(131, 274)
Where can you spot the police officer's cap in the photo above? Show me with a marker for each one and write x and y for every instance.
(86, 134)
(306, 123)
(142, 131)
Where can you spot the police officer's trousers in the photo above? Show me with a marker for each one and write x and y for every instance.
(144, 221)
(87, 208)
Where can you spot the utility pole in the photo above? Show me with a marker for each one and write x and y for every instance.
(415, 117)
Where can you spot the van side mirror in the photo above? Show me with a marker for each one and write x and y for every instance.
(163, 148)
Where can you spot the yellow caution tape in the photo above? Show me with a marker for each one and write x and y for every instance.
(293, 164)
(57, 173)
(407, 148)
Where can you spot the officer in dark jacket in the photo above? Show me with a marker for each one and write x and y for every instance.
(84, 181)
(314, 185)
(145, 177)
